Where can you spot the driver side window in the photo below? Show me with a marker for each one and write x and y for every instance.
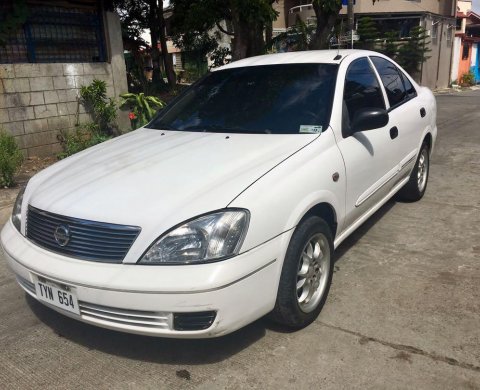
(362, 90)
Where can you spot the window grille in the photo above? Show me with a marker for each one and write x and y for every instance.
(449, 33)
(435, 30)
(55, 34)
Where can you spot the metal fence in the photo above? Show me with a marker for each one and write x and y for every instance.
(55, 34)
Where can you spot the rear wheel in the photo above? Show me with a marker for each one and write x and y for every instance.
(306, 274)
(417, 184)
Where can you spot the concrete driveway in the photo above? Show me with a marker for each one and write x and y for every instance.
(403, 312)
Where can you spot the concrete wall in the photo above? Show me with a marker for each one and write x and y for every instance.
(281, 22)
(441, 7)
(457, 47)
(437, 69)
(464, 5)
(37, 101)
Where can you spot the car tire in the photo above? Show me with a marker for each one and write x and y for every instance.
(417, 184)
(306, 274)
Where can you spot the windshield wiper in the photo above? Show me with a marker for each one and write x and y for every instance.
(205, 128)
(161, 126)
(222, 129)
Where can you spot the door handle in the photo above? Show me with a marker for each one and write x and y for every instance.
(423, 112)
(394, 132)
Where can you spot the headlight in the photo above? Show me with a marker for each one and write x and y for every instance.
(17, 210)
(208, 238)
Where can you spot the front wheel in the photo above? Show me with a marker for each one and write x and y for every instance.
(417, 184)
(306, 274)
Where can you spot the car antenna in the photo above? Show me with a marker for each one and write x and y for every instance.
(338, 56)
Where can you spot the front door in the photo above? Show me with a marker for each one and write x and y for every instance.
(369, 162)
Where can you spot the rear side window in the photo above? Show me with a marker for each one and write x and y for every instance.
(399, 89)
(362, 90)
(411, 92)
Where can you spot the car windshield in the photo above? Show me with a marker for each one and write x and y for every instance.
(276, 99)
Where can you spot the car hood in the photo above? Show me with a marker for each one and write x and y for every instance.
(156, 179)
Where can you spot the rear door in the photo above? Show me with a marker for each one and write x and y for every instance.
(405, 114)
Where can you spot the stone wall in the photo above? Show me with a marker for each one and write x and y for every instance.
(37, 101)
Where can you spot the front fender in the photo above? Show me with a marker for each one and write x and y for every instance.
(279, 200)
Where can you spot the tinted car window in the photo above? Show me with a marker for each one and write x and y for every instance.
(411, 92)
(392, 81)
(362, 90)
(278, 99)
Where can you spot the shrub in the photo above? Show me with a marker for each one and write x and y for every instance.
(10, 159)
(104, 113)
(390, 45)
(143, 108)
(102, 108)
(414, 52)
(82, 138)
(468, 79)
(367, 29)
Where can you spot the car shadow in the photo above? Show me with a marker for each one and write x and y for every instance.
(145, 348)
(357, 235)
(177, 351)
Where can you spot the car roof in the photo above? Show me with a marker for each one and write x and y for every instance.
(298, 57)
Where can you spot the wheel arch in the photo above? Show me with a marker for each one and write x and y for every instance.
(325, 211)
(428, 139)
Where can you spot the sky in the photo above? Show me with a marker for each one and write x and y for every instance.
(476, 6)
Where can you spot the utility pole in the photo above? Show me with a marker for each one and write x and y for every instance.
(351, 19)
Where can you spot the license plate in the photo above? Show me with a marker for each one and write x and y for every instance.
(56, 295)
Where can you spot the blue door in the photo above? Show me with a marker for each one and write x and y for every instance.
(475, 64)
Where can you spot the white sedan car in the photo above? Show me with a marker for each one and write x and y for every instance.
(229, 204)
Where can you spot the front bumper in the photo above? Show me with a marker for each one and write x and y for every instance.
(143, 299)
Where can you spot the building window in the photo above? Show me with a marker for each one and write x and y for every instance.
(459, 24)
(403, 26)
(435, 30)
(466, 51)
(55, 34)
(449, 33)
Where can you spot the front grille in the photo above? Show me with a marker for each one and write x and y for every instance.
(113, 315)
(89, 240)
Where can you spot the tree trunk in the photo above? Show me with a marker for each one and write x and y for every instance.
(269, 29)
(268, 34)
(325, 23)
(248, 39)
(257, 40)
(152, 23)
(240, 37)
(168, 65)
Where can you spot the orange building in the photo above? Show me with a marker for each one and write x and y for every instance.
(466, 57)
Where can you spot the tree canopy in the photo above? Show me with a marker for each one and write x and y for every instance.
(138, 15)
(243, 20)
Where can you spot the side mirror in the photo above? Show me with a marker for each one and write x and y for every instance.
(369, 119)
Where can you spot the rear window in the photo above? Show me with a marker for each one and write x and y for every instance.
(277, 99)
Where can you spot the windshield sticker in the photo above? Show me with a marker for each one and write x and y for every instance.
(309, 129)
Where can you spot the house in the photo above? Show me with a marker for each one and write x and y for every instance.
(466, 53)
(437, 17)
(54, 48)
